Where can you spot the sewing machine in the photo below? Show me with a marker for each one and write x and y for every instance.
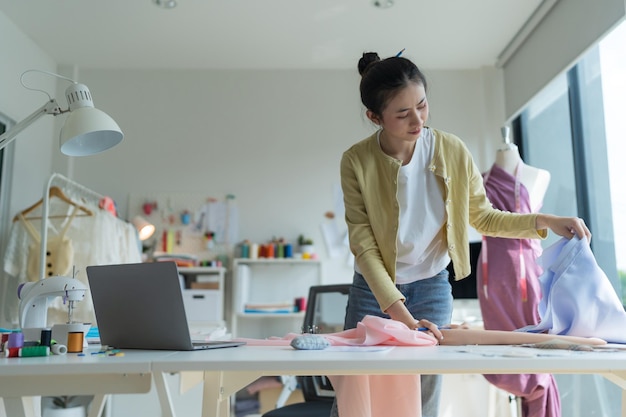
(34, 297)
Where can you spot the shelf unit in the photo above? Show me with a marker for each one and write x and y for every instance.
(204, 294)
(267, 281)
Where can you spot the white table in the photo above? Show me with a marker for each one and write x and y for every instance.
(226, 371)
(70, 374)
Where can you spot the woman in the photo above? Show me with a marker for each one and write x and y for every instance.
(410, 191)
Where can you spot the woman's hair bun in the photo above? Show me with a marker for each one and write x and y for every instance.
(366, 60)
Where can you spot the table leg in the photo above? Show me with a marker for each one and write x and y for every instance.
(619, 379)
(97, 405)
(218, 388)
(212, 399)
(20, 407)
(163, 392)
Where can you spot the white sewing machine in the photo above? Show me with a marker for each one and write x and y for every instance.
(34, 297)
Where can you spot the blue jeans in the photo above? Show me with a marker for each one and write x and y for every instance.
(429, 299)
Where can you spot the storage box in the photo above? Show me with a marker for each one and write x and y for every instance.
(203, 305)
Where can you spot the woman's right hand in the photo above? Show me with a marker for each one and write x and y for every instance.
(432, 328)
(398, 311)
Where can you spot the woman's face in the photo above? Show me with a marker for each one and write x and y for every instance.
(405, 114)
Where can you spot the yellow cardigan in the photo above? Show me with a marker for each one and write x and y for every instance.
(369, 179)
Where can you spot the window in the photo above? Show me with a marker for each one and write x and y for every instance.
(574, 128)
(563, 131)
(613, 64)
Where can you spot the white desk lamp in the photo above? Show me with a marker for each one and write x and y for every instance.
(86, 131)
(144, 228)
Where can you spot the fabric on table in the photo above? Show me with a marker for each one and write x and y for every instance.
(429, 299)
(371, 395)
(509, 291)
(578, 298)
(371, 331)
(377, 395)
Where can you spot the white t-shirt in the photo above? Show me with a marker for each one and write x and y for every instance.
(421, 251)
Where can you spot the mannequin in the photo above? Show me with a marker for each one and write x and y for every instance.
(508, 287)
(535, 180)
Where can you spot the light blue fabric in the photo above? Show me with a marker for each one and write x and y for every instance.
(577, 296)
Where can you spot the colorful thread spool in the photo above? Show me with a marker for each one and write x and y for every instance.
(16, 340)
(4, 338)
(46, 337)
(288, 250)
(75, 342)
(32, 351)
(12, 352)
(254, 251)
(300, 304)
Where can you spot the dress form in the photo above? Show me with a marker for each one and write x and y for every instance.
(509, 274)
(535, 180)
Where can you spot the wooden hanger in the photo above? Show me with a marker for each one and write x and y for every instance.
(58, 193)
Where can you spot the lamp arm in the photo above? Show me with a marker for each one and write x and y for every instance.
(51, 107)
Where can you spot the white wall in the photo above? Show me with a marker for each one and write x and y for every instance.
(30, 152)
(34, 146)
(274, 139)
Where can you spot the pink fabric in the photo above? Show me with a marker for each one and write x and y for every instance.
(372, 395)
(505, 307)
(378, 395)
(371, 331)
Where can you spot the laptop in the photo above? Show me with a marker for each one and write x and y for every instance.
(140, 306)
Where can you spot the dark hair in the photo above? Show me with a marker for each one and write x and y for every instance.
(382, 79)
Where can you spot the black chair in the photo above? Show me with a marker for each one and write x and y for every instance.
(325, 313)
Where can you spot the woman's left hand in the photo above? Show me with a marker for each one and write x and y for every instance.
(567, 227)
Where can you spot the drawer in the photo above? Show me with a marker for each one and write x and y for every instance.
(203, 305)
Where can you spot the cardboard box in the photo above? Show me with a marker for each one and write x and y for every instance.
(205, 286)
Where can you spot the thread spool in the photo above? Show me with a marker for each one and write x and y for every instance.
(280, 250)
(11, 352)
(254, 251)
(32, 351)
(75, 342)
(4, 338)
(245, 250)
(58, 349)
(46, 337)
(300, 304)
(15, 340)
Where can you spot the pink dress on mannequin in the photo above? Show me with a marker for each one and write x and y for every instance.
(509, 291)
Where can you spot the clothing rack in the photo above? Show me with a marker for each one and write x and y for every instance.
(74, 190)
